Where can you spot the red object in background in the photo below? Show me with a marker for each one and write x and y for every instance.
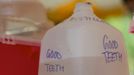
(18, 56)
(132, 26)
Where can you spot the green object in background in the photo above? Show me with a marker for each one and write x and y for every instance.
(122, 23)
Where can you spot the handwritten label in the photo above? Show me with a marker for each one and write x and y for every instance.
(54, 68)
(110, 50)
(52, 54)
(56, 55)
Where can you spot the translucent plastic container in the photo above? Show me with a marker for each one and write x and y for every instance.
(22, 26)
(23, 18)
(19, 56)
(83, 45)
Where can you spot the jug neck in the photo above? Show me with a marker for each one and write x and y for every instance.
(83, 7)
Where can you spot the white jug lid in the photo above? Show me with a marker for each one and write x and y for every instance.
(84, 6)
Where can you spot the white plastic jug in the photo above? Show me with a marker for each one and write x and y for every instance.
(83, 45)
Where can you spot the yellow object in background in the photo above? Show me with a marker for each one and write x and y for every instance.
(106, 8)
(63, 11)
(59, 10)
(111, 12)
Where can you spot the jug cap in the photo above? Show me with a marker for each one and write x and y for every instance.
(83, 6)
